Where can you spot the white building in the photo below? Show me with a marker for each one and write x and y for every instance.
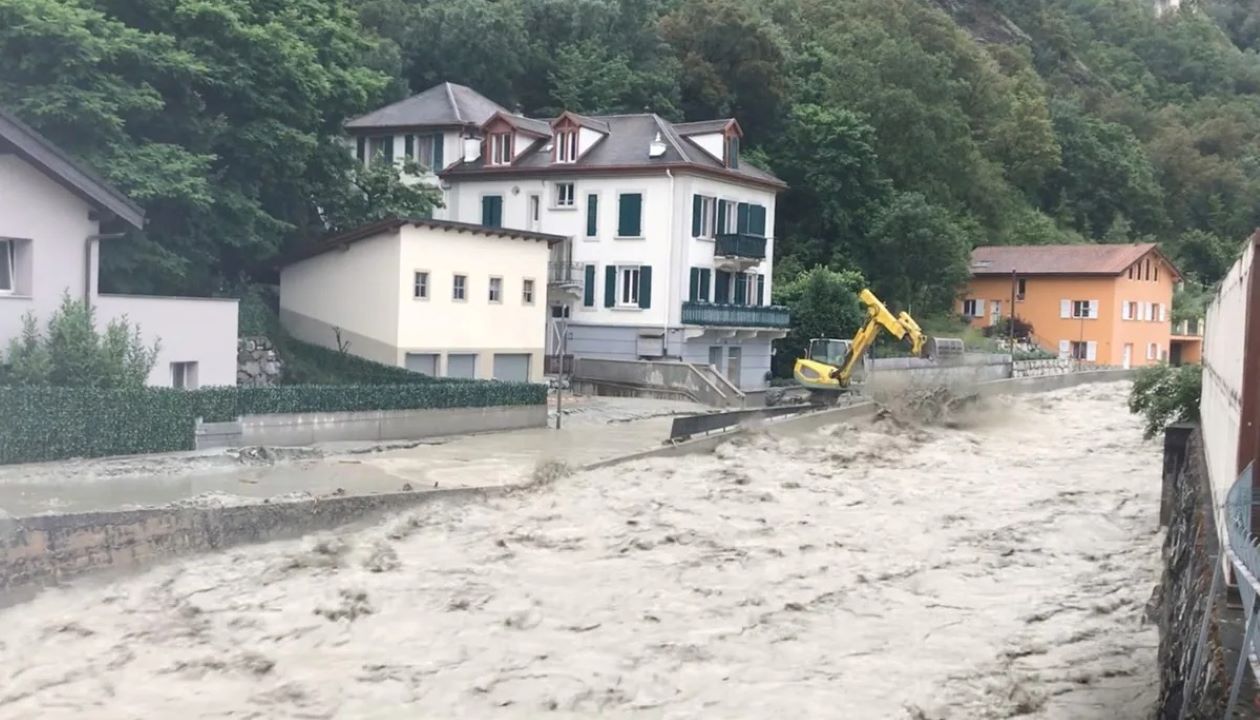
(668, 250)
(443, 298)
(51, 213)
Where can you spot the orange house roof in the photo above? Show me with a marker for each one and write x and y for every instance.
(1060, 259)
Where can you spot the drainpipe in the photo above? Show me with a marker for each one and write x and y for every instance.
(673, 267)
(89, 244)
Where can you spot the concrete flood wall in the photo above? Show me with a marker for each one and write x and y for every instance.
(701, 385)
(37, 551)
(309, 428)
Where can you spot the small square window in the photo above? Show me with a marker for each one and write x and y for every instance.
(184, 375)
(459, 287)
(564, 195)
(527, 291)
(971, 308)
(420, 286)
(1080, 308)
(496, 289)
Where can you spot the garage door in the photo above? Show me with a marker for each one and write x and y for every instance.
(510, 366)
(461, 366)
(425, 363)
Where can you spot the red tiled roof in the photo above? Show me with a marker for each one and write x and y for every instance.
(1060, 259)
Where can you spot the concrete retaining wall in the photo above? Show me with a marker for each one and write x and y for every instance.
(40, 550)
(310, 428)
(910, 371)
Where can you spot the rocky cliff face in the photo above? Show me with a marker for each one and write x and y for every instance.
(257, 364)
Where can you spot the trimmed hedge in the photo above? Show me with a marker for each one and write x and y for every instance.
(41, 423)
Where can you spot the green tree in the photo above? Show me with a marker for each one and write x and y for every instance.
(824, 304)
(917, 256)
(1164, 395)
(72, 353)
(378, 192)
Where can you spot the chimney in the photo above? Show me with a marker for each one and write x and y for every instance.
(657, 148)
(472, 149)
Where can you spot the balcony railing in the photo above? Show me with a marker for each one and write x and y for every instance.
(740, 245)
(564, 273)
(722, 315)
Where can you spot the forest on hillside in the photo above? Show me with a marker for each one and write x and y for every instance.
(908, 130)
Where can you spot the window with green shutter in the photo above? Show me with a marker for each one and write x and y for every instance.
(645, 286)
(721, 218)
(761, 289)
(592, 215)
(610, 286)
(630, 215)
(704, 284)
(741, 289)
(361, 152)
(409, 145)
(697, 215)
(693, 292)
(492, 210)
(757, 220)
(722, 287)
(588, 286)
(741, 218)
(438, 162)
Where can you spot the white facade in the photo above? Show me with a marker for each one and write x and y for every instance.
(363, 294)
(52, 237)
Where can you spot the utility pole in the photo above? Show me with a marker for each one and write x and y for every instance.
(1014, 285)
(564, 346)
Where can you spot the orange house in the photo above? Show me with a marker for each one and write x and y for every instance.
(1105, 304)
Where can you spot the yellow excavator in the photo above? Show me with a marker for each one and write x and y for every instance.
(829, 363)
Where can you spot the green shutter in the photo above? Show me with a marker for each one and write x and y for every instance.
(704, 284)
(610, 286)
(438, 163)
(741, 289)
(697, 207)
(757, 220)
(693, 292)
(588, 287)
(721, 217)
(409, 145)
(592, 215)
(741, 218)
(492, 210)
(722, 287)
(362, 151)
(761, 289)
(629, 215)
(645, 286)
(389, 148)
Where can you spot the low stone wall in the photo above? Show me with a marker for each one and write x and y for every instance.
(310, 428)
(37, 551)
(1038, 368)
(257, 364)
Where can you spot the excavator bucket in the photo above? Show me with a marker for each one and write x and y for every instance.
(943, 349)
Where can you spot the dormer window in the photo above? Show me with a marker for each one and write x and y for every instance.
(500, 149)
(566, 146)
(732, 151)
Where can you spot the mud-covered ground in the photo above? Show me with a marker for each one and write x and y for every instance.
(993, 570)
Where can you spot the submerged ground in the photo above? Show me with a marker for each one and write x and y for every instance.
(991, 570)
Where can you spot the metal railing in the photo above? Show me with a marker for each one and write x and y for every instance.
(564, 273)
(723, 315)
(741, 245)
(1243, 551)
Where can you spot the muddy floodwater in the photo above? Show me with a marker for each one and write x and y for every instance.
(991, 570)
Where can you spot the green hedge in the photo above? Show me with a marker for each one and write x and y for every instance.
(38, 424)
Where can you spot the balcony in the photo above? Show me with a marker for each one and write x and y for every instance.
(738, 251)
(735, 316)
(565, 280)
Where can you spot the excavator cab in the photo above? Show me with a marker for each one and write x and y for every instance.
(829, 351)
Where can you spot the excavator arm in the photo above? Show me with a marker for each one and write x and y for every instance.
(879, 317)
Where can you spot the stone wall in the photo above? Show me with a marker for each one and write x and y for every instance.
(1039, 368)
(1180, 600)
(257, 364)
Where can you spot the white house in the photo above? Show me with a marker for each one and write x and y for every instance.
(669, 248)
(443, 298)
(51, 213)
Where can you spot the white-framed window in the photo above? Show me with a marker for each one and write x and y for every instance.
(567, 146)
(564, 195)
(971, 308)
(1152, 351)
(707, 223)
(628, 285)
(1084, 350)
(496, 289)
(1130, 310)
(500, 149)
(731, 221)
(380, 148)
(1080, 309)
(420, 285)
(8, 267)
(1021, 288)
(184, 375)
(527, 291)
(459, 287)
(534, 211)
